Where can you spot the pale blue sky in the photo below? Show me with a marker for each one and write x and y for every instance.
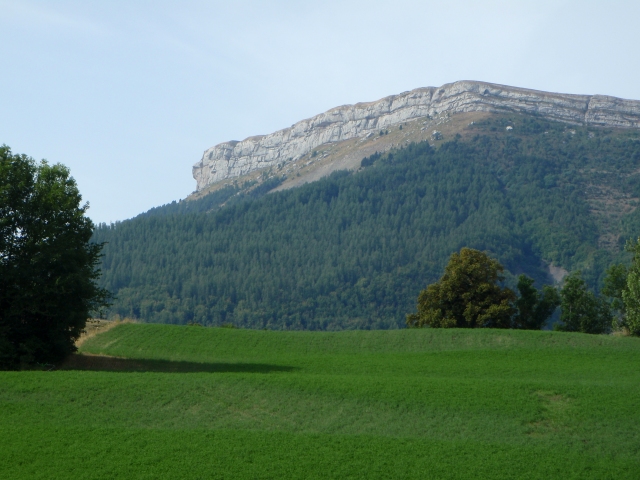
(129, 94)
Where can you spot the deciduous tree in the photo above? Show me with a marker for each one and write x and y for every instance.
(468, 295)
(631, 291)
(47, 264)
(582, 310)
(615, 284)
(534, 307)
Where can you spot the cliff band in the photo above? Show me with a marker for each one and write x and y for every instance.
(232, 159)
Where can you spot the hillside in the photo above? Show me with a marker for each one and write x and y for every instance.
(353, 250)
(160, 401)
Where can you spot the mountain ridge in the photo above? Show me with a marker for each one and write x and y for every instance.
(235, 158)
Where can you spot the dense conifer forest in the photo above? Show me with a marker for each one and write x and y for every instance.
(353, 250)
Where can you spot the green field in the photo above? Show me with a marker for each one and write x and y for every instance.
(194, 402)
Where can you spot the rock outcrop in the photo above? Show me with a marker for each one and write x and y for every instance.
(232, 159)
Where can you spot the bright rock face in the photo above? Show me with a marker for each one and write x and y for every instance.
(232, 159)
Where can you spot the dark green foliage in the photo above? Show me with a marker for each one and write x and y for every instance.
(370, 160)
(631, 297)
(630, 292)
(582, 310)
(265, 187)
(354, 250)
(467, 296)
(209, 203)
(47, 265)
(615, 283)
(534, 308)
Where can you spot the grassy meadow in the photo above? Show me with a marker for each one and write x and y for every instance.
(161, 401)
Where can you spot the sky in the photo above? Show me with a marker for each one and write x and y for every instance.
(129, 94)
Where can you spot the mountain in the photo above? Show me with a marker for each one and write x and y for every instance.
(354, 248)
(295, 146)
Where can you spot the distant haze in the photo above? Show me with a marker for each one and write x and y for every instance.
(129, 94)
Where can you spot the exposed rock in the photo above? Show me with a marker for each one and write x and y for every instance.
(232, 159)
(557, 273)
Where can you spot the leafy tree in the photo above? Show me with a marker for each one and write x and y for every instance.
(615, 285)
(615, 282)
(534, 308)
(582, 310)
(631, 292)
(47, 265)
(631, 298)
(467, 296)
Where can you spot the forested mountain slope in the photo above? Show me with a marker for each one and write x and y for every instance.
(354, 249)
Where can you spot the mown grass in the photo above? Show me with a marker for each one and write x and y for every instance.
(188, 402)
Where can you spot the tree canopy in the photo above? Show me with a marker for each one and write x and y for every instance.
(467, 296)
(534, 307)
(48, 267)
(630, 290)
(581, 309)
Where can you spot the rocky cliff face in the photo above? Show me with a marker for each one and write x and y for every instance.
(232, 159)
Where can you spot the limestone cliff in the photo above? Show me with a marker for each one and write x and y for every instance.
(232, 159)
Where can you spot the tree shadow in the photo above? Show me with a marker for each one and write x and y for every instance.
(104, 363)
